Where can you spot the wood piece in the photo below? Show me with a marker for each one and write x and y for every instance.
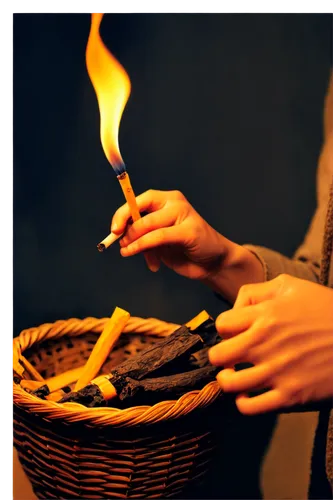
(148, 361)
(103, 346)
(93, 395)
(31, 385)
(175, 384)
(198, 320)
(54, 383)
(180, 343)
(64, 379)
(30, 369)
(199, 359)
(43, 390)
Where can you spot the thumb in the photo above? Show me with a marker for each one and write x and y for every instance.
(249, 295)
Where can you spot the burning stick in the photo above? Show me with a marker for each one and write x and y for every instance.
(180, 343)
(103, 346)
(113, 87)
(127, 189)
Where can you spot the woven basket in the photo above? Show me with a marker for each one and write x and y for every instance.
(69, 451)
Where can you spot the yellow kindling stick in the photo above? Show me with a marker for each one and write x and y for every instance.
(103, 346)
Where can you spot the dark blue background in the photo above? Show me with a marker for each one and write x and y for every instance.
(226, 108)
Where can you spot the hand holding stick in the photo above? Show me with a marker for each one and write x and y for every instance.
(125, 183)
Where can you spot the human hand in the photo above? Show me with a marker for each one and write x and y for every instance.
(182, 239)
(284, 328)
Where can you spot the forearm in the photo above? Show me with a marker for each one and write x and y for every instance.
(253, 264)
(274, 263)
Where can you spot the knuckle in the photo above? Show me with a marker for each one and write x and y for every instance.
(180, 208)
(177, 195)
(269, 315)
(284, 279)
(267, 322)
(150, 192)
(136, 246)
(162, 237)
(292, 392)
(192, 234)
(142, 223)
(244, 291)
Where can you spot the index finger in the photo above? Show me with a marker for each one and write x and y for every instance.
(148, 201)
(233, 322)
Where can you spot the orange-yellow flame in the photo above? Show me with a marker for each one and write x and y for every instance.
(112, 86)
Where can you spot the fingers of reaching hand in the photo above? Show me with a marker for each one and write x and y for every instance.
(231, 323)
(232, 351)
(258, 292)
(253, 378)
(269, 401)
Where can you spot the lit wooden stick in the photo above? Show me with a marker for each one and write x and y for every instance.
(103, 346)
(127, 189)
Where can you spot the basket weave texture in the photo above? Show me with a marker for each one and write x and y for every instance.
(70, 451)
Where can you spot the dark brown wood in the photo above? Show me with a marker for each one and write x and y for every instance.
(174, 384)
(151, 359)
(208, 333)
(181, 342)
(91, 396)
(44, 391)
(169, 354)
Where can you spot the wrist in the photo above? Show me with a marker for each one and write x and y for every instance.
(238, 266)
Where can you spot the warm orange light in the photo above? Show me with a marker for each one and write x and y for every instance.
(112, 86)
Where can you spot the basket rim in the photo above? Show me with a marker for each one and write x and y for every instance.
(115, 417)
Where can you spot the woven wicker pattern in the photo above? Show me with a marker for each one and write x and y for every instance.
(69, 451)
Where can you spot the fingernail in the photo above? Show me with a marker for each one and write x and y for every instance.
(114, 227)
(154, 267)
